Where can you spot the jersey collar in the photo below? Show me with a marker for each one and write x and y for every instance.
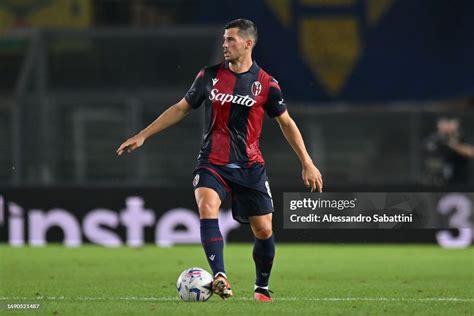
(253, 69)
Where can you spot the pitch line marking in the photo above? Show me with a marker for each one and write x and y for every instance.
(151, 298)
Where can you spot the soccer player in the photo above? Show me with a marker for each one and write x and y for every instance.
(236, 93)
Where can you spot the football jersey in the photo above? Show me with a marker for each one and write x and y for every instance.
(235, 104)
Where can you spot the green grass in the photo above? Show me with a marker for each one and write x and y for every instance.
(364, 280)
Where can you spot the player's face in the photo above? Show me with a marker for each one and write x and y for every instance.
(235, 46)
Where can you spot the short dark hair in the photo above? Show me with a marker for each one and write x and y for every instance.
(246, 28)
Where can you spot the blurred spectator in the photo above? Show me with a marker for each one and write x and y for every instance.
(447, 155)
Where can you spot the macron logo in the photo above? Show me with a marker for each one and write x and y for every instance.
(214, 81)
(212, 257)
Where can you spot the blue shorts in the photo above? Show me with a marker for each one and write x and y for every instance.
(250, 189)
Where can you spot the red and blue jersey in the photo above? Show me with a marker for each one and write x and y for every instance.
(235, 104)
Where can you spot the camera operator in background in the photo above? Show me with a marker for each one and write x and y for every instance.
(447, 155)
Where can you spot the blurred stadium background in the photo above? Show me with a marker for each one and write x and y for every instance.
(366, 82)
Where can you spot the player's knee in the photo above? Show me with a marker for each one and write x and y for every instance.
(208, 209)
(263, 232)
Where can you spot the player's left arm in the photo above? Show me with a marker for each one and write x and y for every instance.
(311, 176)
(465, 150)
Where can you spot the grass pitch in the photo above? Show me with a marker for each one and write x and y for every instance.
(306, 279)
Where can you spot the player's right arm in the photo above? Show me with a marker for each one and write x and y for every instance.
(171, 116)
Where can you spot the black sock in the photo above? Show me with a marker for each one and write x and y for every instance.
(263, 254)
(213, 244)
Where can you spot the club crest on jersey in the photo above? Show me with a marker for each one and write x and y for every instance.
(256, 88)
(235, 98)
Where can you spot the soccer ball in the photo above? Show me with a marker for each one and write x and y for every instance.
(194, 285)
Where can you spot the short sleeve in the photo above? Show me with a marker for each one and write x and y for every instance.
(275, 105)
(195, 94)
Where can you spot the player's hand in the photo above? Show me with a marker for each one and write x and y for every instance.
(131, 144)
(312, 177)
